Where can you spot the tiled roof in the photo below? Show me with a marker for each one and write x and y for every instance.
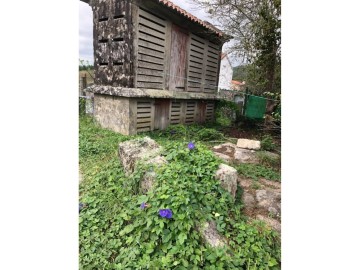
(191, 17)
(237, 82)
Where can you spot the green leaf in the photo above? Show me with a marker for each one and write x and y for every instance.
(182, 237)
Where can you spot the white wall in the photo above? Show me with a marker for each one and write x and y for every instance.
(226, 73)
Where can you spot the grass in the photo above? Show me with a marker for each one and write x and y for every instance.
(114, 233)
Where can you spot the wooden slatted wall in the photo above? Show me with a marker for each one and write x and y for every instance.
(144, 116)
(190, 112)
(210, 110)
(211, 67)
(151, 51)
(175, 112)
(203, 65)
(195, 64)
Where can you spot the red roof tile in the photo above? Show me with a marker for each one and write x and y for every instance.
(188, 15)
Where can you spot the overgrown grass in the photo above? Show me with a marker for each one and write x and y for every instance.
(116, 234)
(256, 171)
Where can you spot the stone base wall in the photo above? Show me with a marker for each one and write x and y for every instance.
(112, 112)
(131, 115)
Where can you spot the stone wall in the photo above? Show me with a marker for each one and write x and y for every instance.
(112, 112)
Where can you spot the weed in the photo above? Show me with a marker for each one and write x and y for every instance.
(256, 171)
(122, 229)
(269, 159)
(267, 143)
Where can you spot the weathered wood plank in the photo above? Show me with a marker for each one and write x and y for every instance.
(141, 125)
(195, 72)
(144, 78)
(150, 24)
(210, 77)
(150, 52)
(151, 59)
(195, 64)
(178, 58)
(152, 32)
(144, 71)
(152, 39)
(150, 85)
(212, 52)
(151, 45)
(211, 67)
(143, 110)
(143, 13)
(198, 41)
(142, 64)
(196, 54)
(214, 46)
(144, 120)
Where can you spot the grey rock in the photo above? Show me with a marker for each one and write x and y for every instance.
(228, 178)
(224, 157)
(210, 235)
(248, 200)
(245, 156)
(248, 144)
(137, 150)
(269, 200)
(149, 177)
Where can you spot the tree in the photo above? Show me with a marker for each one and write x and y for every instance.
(255, 26)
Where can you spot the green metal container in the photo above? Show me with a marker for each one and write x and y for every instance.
(255, 107)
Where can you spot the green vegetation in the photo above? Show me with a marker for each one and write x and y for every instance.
(256, 171)
(239, 73)
(115, 233)
(226, 113)
(267, 143)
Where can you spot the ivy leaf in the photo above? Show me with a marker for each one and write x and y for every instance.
(182, 237)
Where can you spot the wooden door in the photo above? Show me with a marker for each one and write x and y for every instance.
(201, 111)
(178, 59)
(162, 112)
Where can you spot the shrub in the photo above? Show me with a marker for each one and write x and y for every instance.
(267, 143)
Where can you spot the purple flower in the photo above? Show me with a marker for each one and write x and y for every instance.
(144, 205)
(191, 145)
(165, 213)
(81, 206)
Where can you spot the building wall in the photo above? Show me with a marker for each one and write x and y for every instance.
(226, 73)
(112, 112)
(132, 115)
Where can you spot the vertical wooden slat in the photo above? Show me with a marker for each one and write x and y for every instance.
(178, 58)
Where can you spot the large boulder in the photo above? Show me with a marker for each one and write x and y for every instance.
(270, 200)
(248, 200)
(141, 149)
(228, 178)
(149, 177)
(210, 234)
(248, 144)
(245, 156)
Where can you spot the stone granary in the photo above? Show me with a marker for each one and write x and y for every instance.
(155, 65)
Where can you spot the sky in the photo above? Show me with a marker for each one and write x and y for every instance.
(86, 27)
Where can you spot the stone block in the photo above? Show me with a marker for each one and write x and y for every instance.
(248, 144)
(245, 156)
(228, 178)
(143, 149)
